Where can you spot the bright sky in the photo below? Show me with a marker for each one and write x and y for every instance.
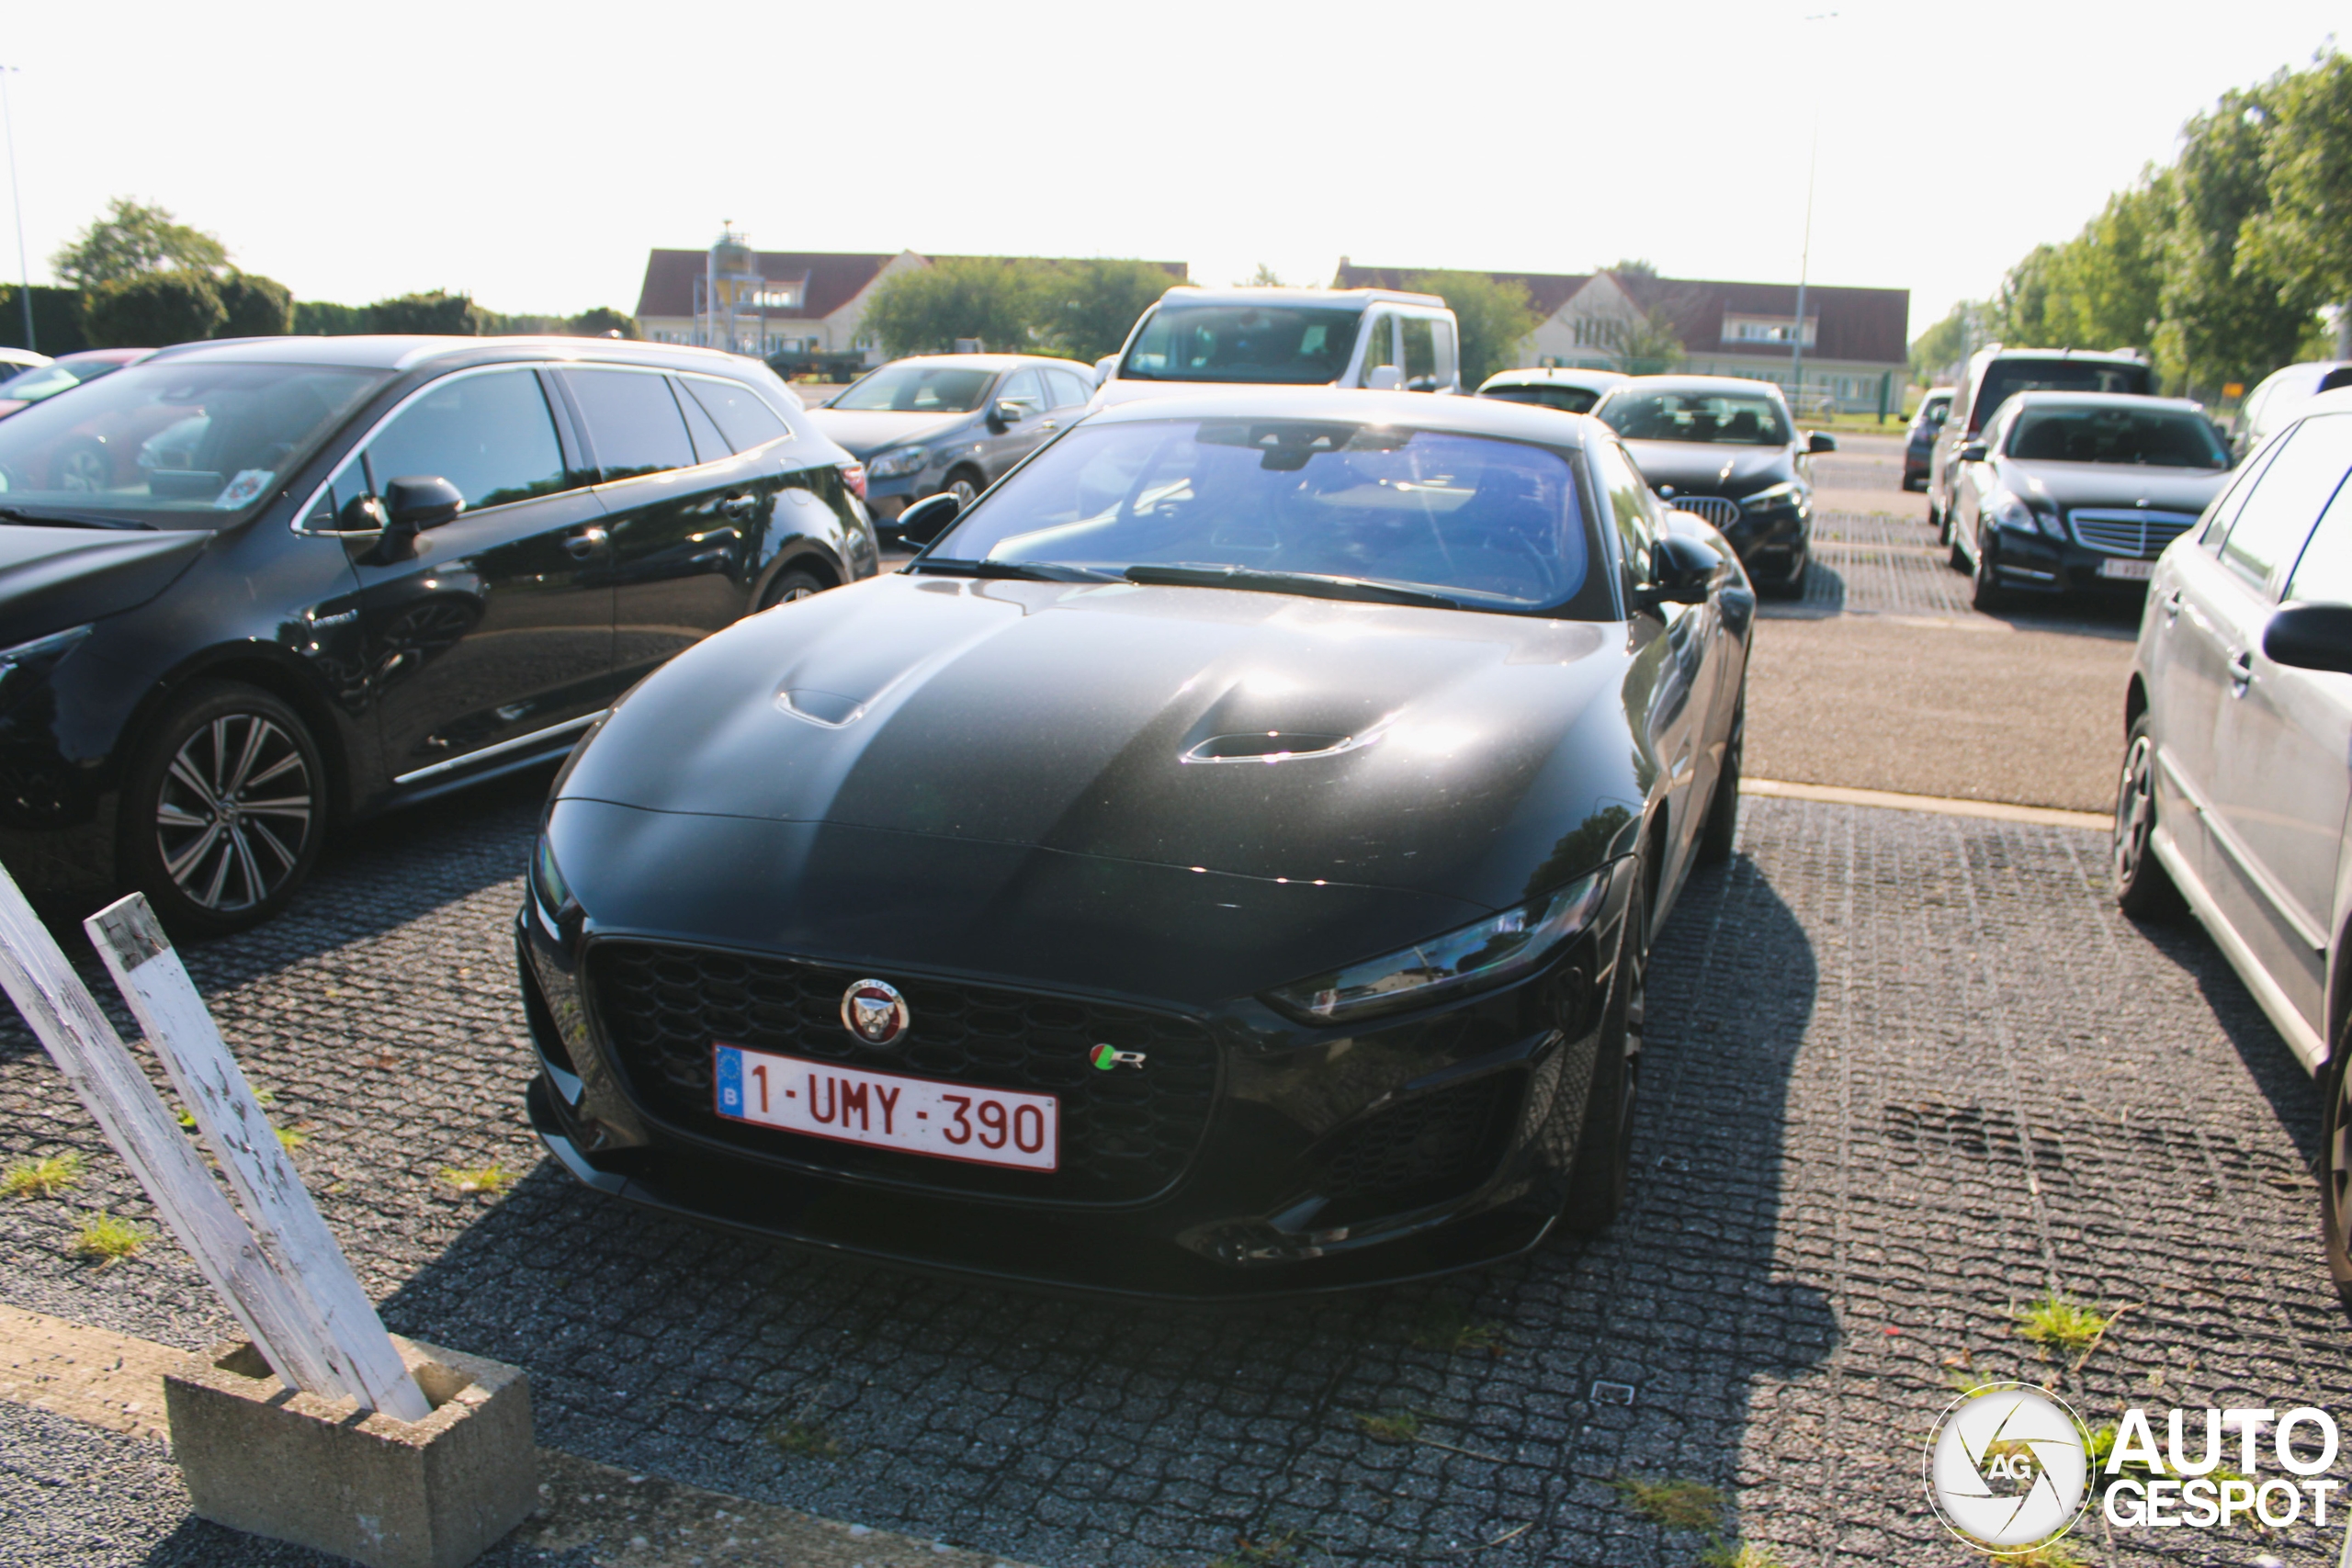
(532, 155)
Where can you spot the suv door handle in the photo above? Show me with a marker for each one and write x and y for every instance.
(2172, 605)
(739, 507)
(2241, 671)
(585, 542)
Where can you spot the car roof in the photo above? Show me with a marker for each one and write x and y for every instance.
(1993, 352)
(1186, 294)
(2104, 399)
(415, 350)
(1934, 392)
(106, 357)
(1692, 383)
(1416, 411)
(989, 361)
(1539, 375)
(2336, 399)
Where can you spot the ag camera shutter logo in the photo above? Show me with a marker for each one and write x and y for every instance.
(2008, 1468)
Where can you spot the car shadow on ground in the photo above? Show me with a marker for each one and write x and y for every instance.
(1487, 1413)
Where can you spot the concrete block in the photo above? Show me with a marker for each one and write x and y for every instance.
(261, 1458)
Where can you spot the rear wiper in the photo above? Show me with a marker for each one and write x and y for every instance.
(1023, 571)
(1314, 585)
(68, 519)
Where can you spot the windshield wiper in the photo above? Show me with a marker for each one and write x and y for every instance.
(1022, 570)
(69, 520)
(1314, 585)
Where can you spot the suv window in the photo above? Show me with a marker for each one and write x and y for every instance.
(1379, 345)
(633, 422)
(2278, 511)
(491, 435)
(2325, 574)
(741, 416)
(2004, 379)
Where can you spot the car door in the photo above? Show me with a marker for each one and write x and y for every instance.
(2283, 756)
(1010, 440)
(1379, 350)
(495, 630)
(677, 511)
(1067, 394)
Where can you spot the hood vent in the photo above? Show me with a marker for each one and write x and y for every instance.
(1274, 746)
(828, 708)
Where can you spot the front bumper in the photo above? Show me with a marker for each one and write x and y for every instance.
(1773, 546)
(2036, 563)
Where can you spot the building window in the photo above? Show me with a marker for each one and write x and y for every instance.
(1769, 328)
(778, 298)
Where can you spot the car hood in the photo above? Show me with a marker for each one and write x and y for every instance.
(1441, 751)
(862, 434)
(1705, 468)
(2070, 485)
(56, 577)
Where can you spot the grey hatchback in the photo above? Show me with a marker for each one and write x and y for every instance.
(950, 422)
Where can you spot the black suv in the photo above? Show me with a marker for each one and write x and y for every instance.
(249, 588)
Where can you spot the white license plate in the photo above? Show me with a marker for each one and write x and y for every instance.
(889, 1111)
(2136, 571)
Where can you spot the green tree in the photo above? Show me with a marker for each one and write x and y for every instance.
(1264, 277)
(1646, 344)
(2023, 307)
(1638, 266)
(602, 320)
(1942, 348)
(317, 318)
(925, 310)
(131, 240)
(2223, 323)
(434, 311)
(151, 310)
(252, 306)
(1086, 309)
(2114, 270)
(1495, 315)
(2304, 240)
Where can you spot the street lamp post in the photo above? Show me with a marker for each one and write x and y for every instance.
(16, 198)
(1804, 253)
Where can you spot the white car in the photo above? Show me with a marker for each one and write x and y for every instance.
(2238, 766)
(1569, 389)
(1196, 340)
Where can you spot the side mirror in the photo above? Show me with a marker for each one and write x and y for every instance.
(1383, 378)
(1821, 441)
(2310, 636)
(924, 520)
(1975, 452)
(420, 501)
(1683, 570)
(1007, 411)
(1103, 367)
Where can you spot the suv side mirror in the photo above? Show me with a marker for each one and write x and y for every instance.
(1683, 570)
(2310, 636)
(1820, 440)
(924, 520)
(1383, 378)
(419, 501)
(1103, 367)
(1975, 452)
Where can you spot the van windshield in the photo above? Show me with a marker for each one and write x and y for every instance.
(1299, 346)
(2005, 378)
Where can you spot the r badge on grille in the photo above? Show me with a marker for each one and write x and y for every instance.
(874, 1012)
(1106, 1058)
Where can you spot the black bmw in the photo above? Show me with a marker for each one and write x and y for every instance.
(1223, 862)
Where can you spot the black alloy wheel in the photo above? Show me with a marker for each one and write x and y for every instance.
(1722, 829)
(84, 467)
(2335, 1166)
(1986, 594)
(1604, 1167)
(964, 486)
(790, 586)
(2143, 889)
(225, 810)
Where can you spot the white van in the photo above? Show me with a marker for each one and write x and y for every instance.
(1198, 339)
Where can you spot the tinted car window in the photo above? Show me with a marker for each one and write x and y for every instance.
(2276, 517)
(1281, 344)
(490, 435)
(1069, 390)
(918, 388)
(741, 416)
(1628, 495)
(1025, 387)
(1467, 516)
(2164, 438)
(633, 422)
(709, 446)
(1421, 354)
(1570, 399)
(2005, 378)
(2325, 571)
(1738, 419)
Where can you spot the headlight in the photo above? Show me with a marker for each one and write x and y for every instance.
(1475, 957)
(1777, 498)
(39, 657)
(546, 878)
(2010, 511)
(899, 464)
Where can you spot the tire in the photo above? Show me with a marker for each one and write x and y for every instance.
(964, 485)
(211, 854)
(2143, 889)
(1720, 830)
(2336, 1167)
(84, 467)
(1958, 559)
(1938, 518)
(790, 586)
(1986, 594)
(1604, 1167)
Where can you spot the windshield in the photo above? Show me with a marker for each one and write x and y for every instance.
(1458, 515)
(918, 388)
(2164, 438)
(1737, 419)
(48, 381)
(1273, 344)
(1553, 395)
(2005, 378)
(183, 444)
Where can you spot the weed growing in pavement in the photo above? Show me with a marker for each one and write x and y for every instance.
(1449, 1327)
(2059, 1553)
(481, 1178)
(1677, 1504)
(108, 1239)
(1391, 1426)
(43, 1177)
(2062, 1323)
(802, 1438)
(291, 1138)
(1739, 1554)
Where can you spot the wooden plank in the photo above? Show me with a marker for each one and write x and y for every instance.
(349, 1335)
(66, 1019)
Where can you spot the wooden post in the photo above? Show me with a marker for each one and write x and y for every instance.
(341, 1321)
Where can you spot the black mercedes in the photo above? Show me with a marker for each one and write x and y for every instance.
(1726, 448)
(1223, 862)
